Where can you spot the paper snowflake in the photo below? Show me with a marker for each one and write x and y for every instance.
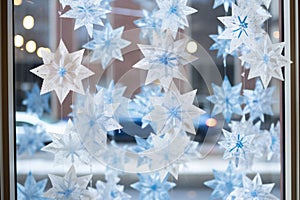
(164, 59)
(174, 110)
(259, 101)
(67, 147)
(226, 4)
(69, 187)
(109, 190)
(237, 145)
(32, 140)
(31, 190)
(151, 187)
(36, 103)
(273, 142)
(266, 60)
(94, 118)
(224, 183)
(149, 24)
(142, 145)
(107, 44)
(87, 13)
(253, 190)
(62, 71)
(173, 14)
(243, 27)
(227, 99)
(141, 104)
(222, 45)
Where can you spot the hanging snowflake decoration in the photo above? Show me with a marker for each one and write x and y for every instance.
(222, 45)
(87, 13)
(243, 27)
(164, 59)
(253, 190)
(142, 145)
(174, 110)
(62, 72)
(68, 187)
(237, 145)
(259, 101)
(31, 140)
(226, 4)
(107, 44)
(31, 190)
(273, 144)
(141, 105)
(67, 147)
(109, 190)
(149, 24)
(173, 14)
(36, 103)
(227, 99)
(152, 187)
(266, 60)
(224, 183)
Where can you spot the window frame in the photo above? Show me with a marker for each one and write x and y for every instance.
(290, 141)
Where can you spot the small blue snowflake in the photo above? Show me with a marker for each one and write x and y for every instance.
(273, 144)
(227, 99)
(32, 140)
(151, 187)
(31, 190)
(224, 182)
(36, 103)
(259, 101)
(142, 145)
(149, 24)
(226, 4)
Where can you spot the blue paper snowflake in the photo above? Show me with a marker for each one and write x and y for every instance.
(227, 99)
(142, 145)
(253, 190)
(141, 104)
(107, 44)
(224, 183)
(259, 101)
(273, 144)
(31, 190)
(36, 103)
(149, 24)
(32, 140)
(173, 14)
(151, 187)
(237, 145)
(226, 4)
(87, 13)
(109, 190)
(222, 45)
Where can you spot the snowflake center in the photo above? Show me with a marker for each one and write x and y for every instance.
(266, 59)
(166, 59)
(174, 112)
(173, 10)
(239, 144)
(229, 186)
(92, 123)
(114, 194)
(243, 25)
(154, 187)
(254, 193)
(66, 193)
(62, 71)
(107, 43)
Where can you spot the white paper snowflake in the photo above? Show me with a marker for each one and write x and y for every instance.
(62, 72)
(87, 13)
(164, 59)
(173, 14)
(69, 187)
(266, 60)
(243, 27)
(107, 44)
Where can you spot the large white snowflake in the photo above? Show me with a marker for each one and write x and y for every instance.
(266, 60)
(174, 110)
(164, 59)
(67, 147)
(107, 44)
(243, 27)
(69, 187)
(253, 190)
(173, 14)
(62, 72)
(87, 13)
